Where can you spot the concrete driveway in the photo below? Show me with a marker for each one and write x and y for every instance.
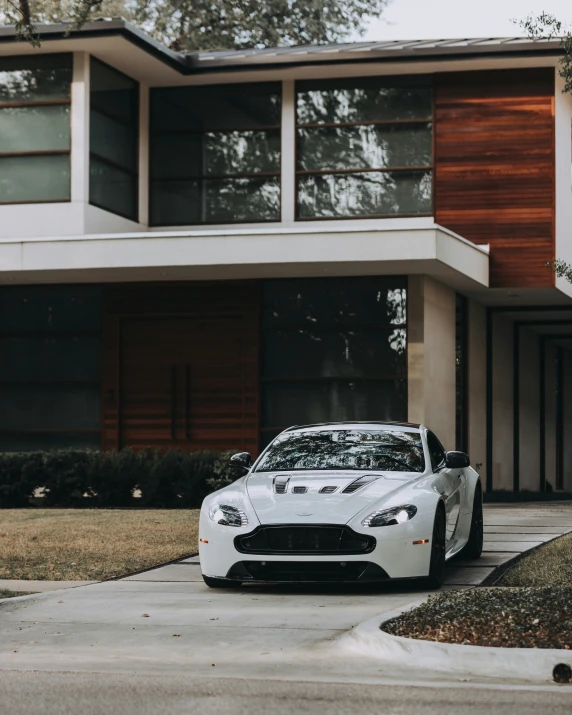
(167, 621)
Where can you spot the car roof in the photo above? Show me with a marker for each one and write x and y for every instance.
(396, 426)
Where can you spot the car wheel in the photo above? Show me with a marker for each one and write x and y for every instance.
(474, 547)
(213, 582)
(437, 565)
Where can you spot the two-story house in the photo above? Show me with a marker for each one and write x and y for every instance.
(199, 250)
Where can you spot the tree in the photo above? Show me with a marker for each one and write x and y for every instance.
(546, 26)
(187, 25)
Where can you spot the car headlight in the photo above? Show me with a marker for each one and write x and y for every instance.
(228, 515)
(389, 517)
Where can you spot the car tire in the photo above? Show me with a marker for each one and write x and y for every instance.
(437, 563)
(213, 582)
(474, 546)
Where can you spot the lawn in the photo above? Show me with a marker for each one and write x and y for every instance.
(92, 544)
(551, 564)
(530, 607)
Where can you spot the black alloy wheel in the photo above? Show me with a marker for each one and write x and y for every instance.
(474, 546)
(213, 582)
(437, 565)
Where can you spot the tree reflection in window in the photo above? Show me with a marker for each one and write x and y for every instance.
(333, 349)
(370, 450)
(364, 147)
(215, 154)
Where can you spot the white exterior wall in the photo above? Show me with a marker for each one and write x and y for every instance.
(550, 414)
(567, 446)
(563, 175)
(477, 387)
(431, 357)
(529, 447)
(502, 404)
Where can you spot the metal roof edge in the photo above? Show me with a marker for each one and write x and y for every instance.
(212, 62)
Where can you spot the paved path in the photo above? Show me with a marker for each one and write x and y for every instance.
(167, 623)
(12, 584)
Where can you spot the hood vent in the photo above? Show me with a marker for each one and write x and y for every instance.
(327, 490)
(358, 484)
(299, 490)
(281, 484)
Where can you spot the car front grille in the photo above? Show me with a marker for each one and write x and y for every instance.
(309, 571)
(304, 539)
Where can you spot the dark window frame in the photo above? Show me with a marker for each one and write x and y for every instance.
(384, 170)
(205, 177)
(40, 103)
(88, 382)
(108, 162)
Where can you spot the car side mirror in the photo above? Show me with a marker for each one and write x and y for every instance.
(241, 462)
(457, 460)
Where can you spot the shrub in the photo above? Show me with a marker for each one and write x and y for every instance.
(108, 479)
(19, 478)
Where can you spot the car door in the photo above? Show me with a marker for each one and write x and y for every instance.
(450, 485)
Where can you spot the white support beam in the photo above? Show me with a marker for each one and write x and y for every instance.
(144, 154)
(80, 128)
(288, 154)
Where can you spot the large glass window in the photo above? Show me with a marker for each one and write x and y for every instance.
(364, 147)
(35, 96)
(50, 367)
(113, 140)
(215, 154)
(333, 349)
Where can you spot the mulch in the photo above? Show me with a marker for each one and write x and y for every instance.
(504, 617)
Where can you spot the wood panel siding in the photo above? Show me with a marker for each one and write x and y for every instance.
(180, 366)
(494, 168)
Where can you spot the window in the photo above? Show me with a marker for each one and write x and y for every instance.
(113, 141)
(333, 349)
(215, 154)
(362, 450)
(35, 96)
(364, 148)
(436, 451)
(50, 360)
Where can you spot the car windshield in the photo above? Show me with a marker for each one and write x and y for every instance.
(385, 450)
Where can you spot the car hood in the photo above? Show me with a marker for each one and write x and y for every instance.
(318, 507)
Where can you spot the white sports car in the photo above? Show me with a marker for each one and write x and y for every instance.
(365, 501)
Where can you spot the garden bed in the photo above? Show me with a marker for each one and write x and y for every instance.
(530, 606)
(503, 617)
(91, 545)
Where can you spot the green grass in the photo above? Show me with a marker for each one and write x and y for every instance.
(550, 565)
(92, 544)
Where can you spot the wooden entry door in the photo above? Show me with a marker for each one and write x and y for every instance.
(182, 383)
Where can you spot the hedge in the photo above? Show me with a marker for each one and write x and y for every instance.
(109, 479)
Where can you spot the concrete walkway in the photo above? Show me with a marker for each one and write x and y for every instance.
(167, 621)
(12, 584)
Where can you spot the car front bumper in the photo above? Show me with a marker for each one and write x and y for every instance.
(225, 553)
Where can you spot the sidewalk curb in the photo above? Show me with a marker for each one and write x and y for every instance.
(464, 661)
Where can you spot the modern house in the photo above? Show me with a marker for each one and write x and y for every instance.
(199, 250)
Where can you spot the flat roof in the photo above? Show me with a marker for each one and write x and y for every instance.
(202, 62)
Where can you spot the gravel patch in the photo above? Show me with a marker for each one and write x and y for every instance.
(503, 617)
